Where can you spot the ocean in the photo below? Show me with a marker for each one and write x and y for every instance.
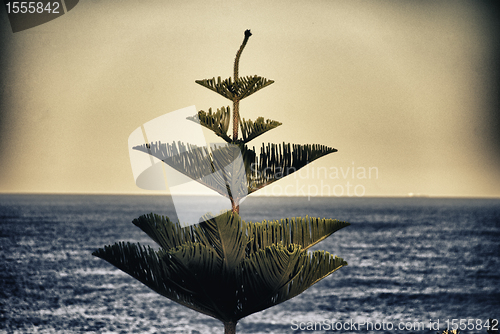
(416, 265)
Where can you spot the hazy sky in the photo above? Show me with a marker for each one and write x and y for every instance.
(404, 89)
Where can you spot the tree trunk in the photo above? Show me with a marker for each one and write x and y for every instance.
(230, 327)
(236, 99)
(235, 205)
(236, 112)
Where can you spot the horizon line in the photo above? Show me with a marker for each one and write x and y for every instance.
(251, 195)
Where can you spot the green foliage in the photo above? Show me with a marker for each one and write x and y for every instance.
(304, 232)
(277, 161)
(239, 89)
(209, 167)
(251, 130)
(225, 267)
(218, 122)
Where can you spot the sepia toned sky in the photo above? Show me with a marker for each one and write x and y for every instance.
(405, 90)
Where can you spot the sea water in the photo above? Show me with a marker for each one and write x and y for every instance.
(416, 265)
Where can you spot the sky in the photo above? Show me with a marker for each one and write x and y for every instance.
(406, 91)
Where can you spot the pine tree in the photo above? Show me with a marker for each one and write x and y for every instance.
(225, 267)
